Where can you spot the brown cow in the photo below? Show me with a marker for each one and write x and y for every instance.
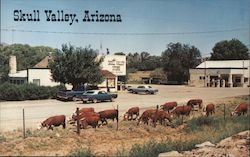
(146, 115)
(168, 106)
(132, 111)
(108, 114)
(240, 109)
(210, 109)
(54, 121)
(182, 110)
(195, 102)
(83, 115)
(89, 109)
(160, 116)
(90, 120)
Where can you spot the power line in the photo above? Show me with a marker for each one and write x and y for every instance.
(129, 34)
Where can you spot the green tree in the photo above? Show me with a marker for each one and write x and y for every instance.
(26, 55)
(4, 68)
(230, 50)
(142, 61)
(178, 59)
(76, 66)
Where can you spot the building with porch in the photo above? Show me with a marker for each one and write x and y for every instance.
(227, 73)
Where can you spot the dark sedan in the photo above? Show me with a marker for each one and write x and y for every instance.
(97, 96)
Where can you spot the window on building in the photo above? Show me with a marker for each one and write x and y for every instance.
(202, 77)
(245, 79)
(36, 81)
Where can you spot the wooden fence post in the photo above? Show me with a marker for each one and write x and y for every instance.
(77, 121)
(182, 114)
(224, 112)
(117, 118)
(23, 124)
(155, 116)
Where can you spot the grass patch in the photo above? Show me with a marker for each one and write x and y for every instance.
(2, 138)
(83, 152)
(153, 148)
(200, 129)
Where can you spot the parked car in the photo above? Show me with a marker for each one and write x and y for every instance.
(143, 89)
(96, 96)
(68, 94)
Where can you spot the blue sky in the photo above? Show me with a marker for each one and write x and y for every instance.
(172, 19)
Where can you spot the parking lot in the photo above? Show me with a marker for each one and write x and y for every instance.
(38, 110)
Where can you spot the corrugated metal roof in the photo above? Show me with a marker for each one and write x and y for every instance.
(225, 64)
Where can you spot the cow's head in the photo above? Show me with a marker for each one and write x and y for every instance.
(125, 117)
(39, 126)
(233, 114)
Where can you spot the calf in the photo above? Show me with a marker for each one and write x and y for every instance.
(108, 114)
(168, 106)
(132, 111)
(195, 102)
(54, 121)
(182, 110)
(240, 109)
(90, 120)
(210, 109)
(146, 115)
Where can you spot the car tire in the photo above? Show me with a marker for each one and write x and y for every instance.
(94, 100)
(111, 99)
(74, 98)
(148, 92)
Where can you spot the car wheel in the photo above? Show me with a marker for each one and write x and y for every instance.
(111, 99)
(94, 100)
(147, 92)
(74, 98)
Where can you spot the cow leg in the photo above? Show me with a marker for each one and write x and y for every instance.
(64, 125)
(106, 122)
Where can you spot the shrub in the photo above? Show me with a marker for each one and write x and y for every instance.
(2, 138)
(196, 124)
(27, 92)
(152, 148)
(82, 153)
(10, 92)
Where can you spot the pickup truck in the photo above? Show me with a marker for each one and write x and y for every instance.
(143, 89)
(73, 94)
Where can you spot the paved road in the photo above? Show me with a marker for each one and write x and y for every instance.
(37, 111)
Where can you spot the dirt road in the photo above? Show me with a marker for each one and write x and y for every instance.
(37, 111)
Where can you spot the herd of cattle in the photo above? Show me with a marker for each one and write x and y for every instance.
(164, 115)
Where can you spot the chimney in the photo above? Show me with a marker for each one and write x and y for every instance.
(12, 64)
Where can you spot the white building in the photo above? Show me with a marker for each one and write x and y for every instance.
(227, 73)
(112, 67)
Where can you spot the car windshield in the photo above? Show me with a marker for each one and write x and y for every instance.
(149, 87)
(101, 92)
